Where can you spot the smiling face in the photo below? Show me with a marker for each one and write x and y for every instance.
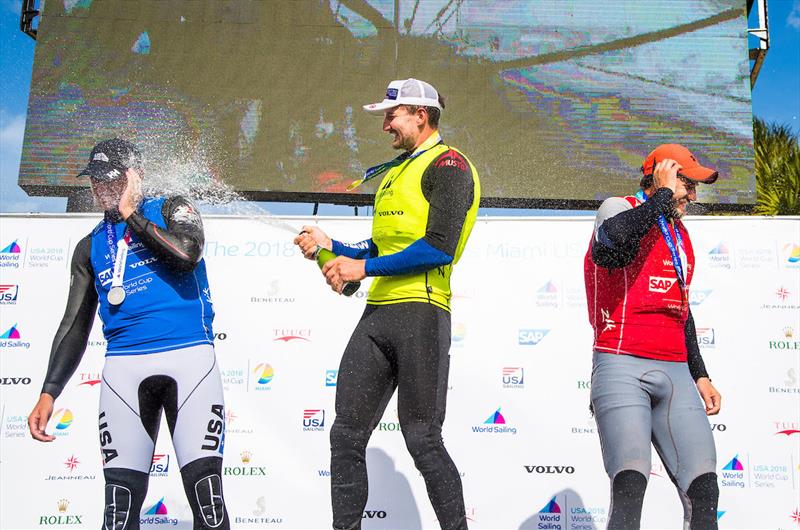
(405, 127)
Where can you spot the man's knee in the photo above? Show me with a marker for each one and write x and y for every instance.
(345, 437)
(124, 494)
(202, 481)
(421, 439)
(703, 495)
(627, 496)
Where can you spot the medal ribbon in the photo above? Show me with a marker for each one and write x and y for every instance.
(676, 251)
(120, 253)
(380, 169)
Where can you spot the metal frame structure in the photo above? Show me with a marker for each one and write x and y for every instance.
(762, 33)
(27, 14)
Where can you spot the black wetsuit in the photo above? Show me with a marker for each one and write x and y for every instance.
(404, 346)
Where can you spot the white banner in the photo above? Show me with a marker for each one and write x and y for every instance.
(521, 347)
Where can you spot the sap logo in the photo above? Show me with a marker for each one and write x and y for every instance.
(386, 213)
(698, 297)
(105, 276)
(15, 380)
(531, 337)
(374, 514)
(719, 427)
(331, 376)
(147, 261)
(660, 284)
(8, 294)
(550, 470)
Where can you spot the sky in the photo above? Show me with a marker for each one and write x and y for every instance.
(776, 99)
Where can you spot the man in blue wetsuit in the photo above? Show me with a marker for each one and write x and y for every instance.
(142, 265)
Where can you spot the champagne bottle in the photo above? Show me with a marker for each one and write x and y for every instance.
(323, 256)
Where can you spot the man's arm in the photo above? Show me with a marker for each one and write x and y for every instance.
(180, 246)
(619, 228)
(696, 365)
(72, 336)
(697, 368)
(449, 188)
(361, 250)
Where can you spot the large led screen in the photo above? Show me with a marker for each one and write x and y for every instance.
(551, 99)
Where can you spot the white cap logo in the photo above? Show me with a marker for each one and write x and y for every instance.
(100, 156)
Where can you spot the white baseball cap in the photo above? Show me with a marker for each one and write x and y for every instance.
(406, 92)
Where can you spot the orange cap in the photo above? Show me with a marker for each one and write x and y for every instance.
(690, 167)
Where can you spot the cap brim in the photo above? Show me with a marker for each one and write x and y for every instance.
(701, 174)
(379, 108)
(102, 171)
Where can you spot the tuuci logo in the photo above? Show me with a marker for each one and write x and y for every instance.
(291, 335)
(8, 294)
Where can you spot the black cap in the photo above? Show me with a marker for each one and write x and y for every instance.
(110, 159)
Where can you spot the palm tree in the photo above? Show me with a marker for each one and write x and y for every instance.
(777, 166)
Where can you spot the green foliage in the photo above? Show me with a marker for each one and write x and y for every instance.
(777, 166)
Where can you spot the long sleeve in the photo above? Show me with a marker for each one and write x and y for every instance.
(696, 365)
(180, 246)
(621, 227)
(72, 336)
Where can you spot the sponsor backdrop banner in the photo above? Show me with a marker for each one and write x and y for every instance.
(518, 423)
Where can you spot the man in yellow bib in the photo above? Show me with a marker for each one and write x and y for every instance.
(425, 209)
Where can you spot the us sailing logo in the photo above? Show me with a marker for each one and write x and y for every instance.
(314, 419)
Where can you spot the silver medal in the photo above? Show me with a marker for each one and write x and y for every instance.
(116, 295)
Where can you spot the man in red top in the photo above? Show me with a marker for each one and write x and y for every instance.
(647, 370)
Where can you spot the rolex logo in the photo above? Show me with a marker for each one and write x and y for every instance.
(63, 504)
(246, 455)
(788, 332)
